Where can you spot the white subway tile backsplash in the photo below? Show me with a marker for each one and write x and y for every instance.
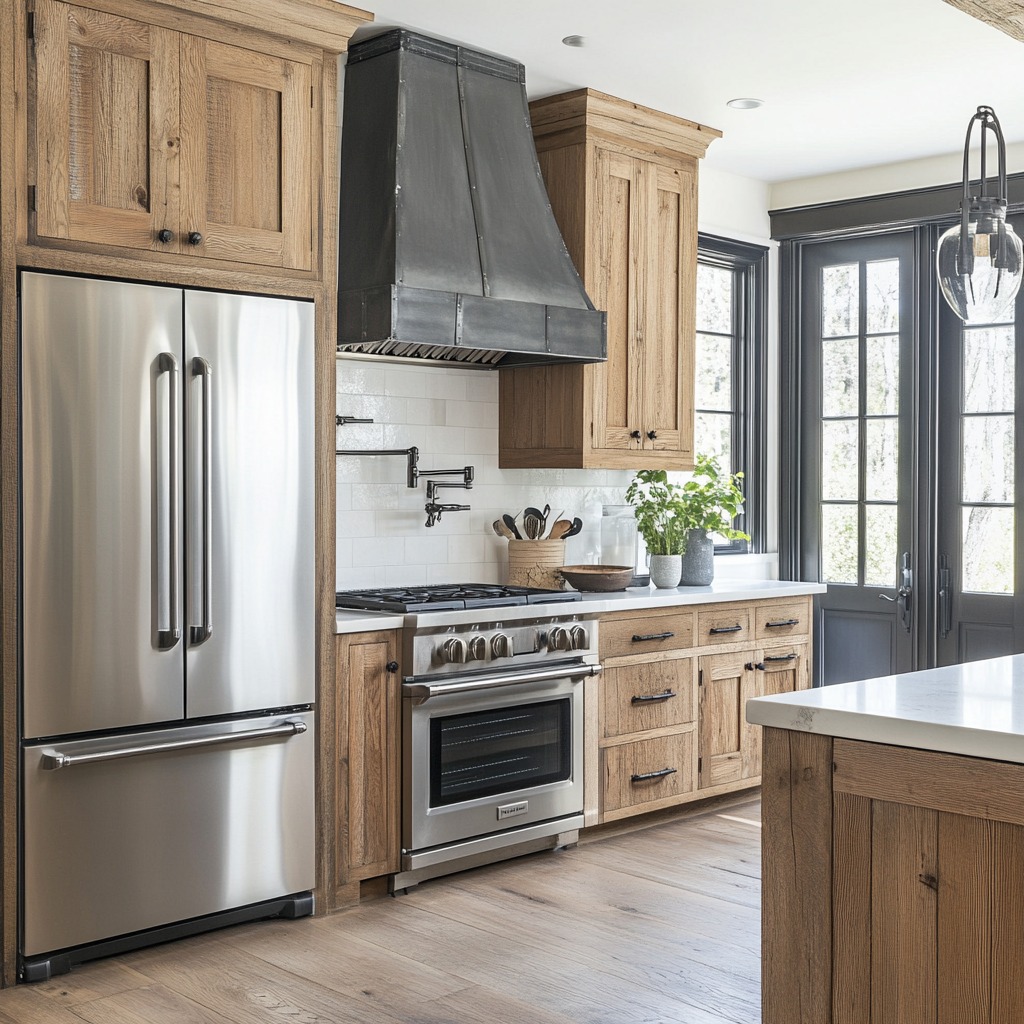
(451, 415)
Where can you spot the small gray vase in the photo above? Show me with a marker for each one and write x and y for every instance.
(698, 568)
(665, 571)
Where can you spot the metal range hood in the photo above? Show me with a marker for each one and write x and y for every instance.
(448, 246)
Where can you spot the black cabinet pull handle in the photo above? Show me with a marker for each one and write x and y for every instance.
(653, 775)
(194, 238)
(782, 622)
(715, 630)
(639, 638)
(635, 434)
(646, 698)
(165, 235)
(781, 657)
(391, 666)
(755, 665)
(652, 434)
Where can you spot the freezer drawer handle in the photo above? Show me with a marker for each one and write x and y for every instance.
(51, 760)
(201, 369)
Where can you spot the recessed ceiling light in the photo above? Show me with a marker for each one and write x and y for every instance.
(745, 103)
(574, 41)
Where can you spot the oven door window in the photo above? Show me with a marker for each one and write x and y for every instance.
(499, 751)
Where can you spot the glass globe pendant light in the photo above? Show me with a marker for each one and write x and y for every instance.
(979, 259)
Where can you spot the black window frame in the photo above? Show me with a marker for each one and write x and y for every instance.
(749, 265)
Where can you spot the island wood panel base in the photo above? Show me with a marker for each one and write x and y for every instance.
(893, 884)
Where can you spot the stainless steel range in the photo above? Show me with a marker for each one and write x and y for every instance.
(492, 738)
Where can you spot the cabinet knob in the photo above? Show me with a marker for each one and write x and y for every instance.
(165, 235)
(652, 434)
(635, 434)
(194, 238)
(392, 667)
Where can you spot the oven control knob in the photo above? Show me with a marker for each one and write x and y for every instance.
(501, 645)
(579, 638)
(559, 639)
(453, 651)
(476, 648)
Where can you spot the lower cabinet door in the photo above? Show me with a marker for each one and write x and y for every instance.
(646, 772)
(729, 746)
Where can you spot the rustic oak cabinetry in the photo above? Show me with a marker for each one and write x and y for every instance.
(369, 728)
(623, 186)
(671, 725)
(152, 139)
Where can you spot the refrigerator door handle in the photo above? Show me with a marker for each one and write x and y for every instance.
(51, 759)
(201, 369)
(168, 638)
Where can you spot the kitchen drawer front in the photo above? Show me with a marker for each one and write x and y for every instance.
(647, 771)
(651, 695)
(779, 620)
(725, 624)
(646, 634)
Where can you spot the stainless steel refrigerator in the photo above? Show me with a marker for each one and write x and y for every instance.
(167, 600)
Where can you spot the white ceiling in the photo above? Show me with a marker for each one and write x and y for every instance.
(846, 83)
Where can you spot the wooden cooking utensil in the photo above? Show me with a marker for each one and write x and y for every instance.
(559, 529)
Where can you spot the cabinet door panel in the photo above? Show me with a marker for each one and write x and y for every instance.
(246, 150)
(615, 284)
(106, 128)
(728, 744)
(368, 712)
(669, 344)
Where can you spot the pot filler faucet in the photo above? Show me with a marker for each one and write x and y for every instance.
(433, 507)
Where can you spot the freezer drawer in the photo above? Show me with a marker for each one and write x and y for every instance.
(193, 821)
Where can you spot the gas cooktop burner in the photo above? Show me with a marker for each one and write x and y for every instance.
(445, 597)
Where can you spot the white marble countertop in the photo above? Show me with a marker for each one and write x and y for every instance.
(590, 604)
(975, 709)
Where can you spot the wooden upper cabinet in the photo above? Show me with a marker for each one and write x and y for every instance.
(150, 138)
(622, 180)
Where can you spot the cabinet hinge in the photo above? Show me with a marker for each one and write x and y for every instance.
(700, 765)
(312, 103)
(700, 677)
(32, 198)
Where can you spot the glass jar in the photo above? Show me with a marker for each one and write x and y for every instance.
(618, 535)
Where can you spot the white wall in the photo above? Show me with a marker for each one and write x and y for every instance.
(451, 415)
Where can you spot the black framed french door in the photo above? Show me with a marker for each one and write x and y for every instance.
(858, 454)
(906, 451)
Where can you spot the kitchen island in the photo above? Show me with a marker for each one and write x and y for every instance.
(893, 848)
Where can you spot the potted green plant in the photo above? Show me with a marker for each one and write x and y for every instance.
(676, 519)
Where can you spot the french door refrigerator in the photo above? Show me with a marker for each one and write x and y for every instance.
(167, 600)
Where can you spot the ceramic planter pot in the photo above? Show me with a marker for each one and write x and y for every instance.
(698, 565)
(665, 570)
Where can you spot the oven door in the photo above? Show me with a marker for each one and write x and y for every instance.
(489, 754)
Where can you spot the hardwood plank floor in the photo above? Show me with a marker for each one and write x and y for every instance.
(658, 924)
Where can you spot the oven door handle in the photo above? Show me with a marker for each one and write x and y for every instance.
(419, 693)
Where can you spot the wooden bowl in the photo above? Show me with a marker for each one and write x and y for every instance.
(597, 577)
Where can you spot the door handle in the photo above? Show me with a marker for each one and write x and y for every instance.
(904, 594)
(201, 369)
(945, 597)
(168, 638)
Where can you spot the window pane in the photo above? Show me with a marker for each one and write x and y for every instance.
(988, 550)
(987, 466)
(883, 375)
(713, 388)
(880, 548)
(840, 377)
(713, 436)
(881, 454)
(714, 299)
(840, 297)
(839, 543)
(988, 369)
(839, 460)
(883, 296)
